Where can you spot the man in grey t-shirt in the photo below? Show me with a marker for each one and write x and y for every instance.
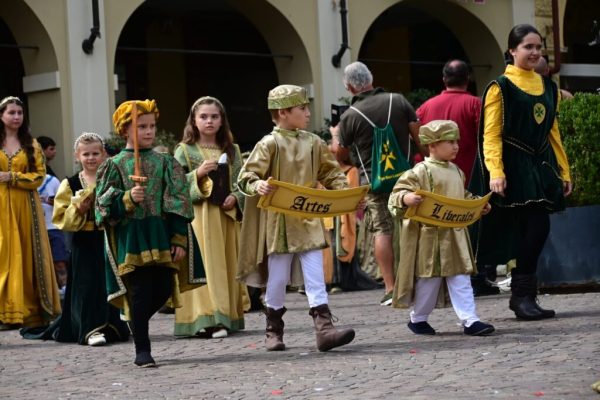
(355, 130)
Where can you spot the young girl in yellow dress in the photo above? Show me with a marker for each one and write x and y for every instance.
(216, 309)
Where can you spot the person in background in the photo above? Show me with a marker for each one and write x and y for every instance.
(29, 293)
(49, 149)
(355, 131)
(543, 69)
(60, 255)
(456, 104)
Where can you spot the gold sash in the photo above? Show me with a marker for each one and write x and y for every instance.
(445, 211)
(304, 202)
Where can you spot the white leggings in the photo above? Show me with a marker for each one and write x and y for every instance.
(461, 296)
(280, 266)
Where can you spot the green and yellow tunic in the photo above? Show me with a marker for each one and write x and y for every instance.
(221, 302)
(141, 235)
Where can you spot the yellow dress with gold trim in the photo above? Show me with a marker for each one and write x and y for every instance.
(222, 301)
(28, 289)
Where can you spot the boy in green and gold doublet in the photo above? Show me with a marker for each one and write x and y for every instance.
(146, 225)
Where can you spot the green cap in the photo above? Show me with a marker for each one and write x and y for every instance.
(286, 96)
(438, 130)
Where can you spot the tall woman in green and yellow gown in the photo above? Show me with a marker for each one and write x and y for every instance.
(28, 290)
(216, 309)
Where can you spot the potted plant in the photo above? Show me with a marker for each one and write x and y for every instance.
(571, 256)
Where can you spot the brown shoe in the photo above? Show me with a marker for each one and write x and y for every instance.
(327, 336)
(274, 331)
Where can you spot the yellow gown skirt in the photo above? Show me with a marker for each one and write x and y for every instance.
(28, 288)
(222, 301)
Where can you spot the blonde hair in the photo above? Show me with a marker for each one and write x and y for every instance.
(87, 138)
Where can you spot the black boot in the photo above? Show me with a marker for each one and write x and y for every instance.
(521, 301)
(533, 294)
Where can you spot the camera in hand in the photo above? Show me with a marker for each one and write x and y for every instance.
(336, 113)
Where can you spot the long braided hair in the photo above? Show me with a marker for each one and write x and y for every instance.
(23, 133)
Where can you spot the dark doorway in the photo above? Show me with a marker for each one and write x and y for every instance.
(406, 48)
(11, 67)
(159, 56)
(582, 40)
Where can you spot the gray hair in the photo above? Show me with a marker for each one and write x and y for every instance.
(358, 75)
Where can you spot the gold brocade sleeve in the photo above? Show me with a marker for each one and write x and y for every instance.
(256, 168)
(65, 216)
(200, 189)
(408, 182)
(31, 180)
(492, 132)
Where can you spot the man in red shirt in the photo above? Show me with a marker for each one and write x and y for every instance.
(457, 104)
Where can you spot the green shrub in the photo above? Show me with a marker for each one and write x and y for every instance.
(164, 138)
(579, 121)
(419, 96)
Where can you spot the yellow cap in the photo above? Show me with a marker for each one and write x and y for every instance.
(122, 115)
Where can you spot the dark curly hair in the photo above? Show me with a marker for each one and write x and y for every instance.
(23, 134)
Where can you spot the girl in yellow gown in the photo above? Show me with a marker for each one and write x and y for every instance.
(28, 289)
(216, 309)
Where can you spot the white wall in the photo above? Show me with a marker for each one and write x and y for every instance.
(88, 73)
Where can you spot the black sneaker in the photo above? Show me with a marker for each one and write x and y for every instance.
(479, 328)
(421, 328)
(144, 360)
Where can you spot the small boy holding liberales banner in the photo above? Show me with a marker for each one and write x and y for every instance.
(430, 254)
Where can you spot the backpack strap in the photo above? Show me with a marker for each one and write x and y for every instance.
(390, 109)
(364, 116)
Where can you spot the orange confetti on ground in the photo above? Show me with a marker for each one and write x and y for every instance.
(276, 392)
(539, 394)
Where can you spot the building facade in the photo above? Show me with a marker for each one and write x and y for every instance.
(178, 50)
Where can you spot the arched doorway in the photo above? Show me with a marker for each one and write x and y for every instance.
(408, 44)
(581, 64)
(180, 50)
(11, 67)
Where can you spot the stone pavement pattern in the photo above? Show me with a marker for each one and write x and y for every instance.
(552, 359)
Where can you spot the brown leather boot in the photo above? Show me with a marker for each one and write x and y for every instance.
(327, 336)
(274, 331)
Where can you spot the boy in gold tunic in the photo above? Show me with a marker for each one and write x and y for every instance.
(430, 254)
(292, 155)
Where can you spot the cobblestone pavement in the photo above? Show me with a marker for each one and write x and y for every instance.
(552, 359)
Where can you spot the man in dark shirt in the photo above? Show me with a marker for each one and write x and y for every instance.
(355, 131)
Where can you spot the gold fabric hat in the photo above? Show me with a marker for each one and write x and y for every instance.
(122, 115)
(286, 96)
(438, 130)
